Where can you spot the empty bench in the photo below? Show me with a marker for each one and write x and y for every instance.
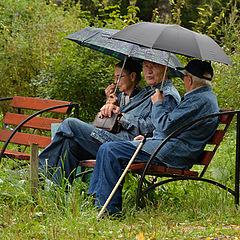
(29, 121)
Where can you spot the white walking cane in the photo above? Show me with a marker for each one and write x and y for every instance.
(122, 176)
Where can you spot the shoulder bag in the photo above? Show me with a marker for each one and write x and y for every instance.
(111, 124)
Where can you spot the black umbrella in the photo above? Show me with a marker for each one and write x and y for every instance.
(175, 39)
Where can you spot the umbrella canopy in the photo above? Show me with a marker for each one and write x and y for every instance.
(175, 39)
(100, 40)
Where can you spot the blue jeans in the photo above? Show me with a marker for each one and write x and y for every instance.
(71, 144)
(74, 141)
(112, 158)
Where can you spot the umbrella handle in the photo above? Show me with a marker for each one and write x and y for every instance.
(164, 75)
(120, 75)
(122, 176)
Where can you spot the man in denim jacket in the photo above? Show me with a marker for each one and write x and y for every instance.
(179, 152)
(76, 140)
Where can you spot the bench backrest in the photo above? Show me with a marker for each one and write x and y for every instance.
(214, 142)
(37, 129)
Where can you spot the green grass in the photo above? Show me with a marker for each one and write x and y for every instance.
(180, 210)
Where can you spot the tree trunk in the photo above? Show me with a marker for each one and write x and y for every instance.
(147, 12)
(164, 9)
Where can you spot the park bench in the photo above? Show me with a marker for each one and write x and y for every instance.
(28, 126)
(173, 174)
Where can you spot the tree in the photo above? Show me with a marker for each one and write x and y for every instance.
(164, 10)
(163, 7)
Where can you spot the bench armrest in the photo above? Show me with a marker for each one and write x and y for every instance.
(176, 133)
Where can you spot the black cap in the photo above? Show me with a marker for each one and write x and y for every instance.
(199, 68)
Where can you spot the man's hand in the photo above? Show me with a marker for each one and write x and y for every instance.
(157, 96)
(138, 138)
(108, 109)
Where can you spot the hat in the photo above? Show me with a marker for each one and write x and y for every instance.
(199, 69)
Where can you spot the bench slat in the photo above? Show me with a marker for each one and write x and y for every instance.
(38, 104)
(206, 157)
(153, 169)
(25, 138)
(37, 122)
(217, 137)
(16, 155)
(226, 119)
(87, 163)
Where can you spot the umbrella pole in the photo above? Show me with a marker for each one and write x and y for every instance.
(125, 59)
(164, 75)
(122, 176)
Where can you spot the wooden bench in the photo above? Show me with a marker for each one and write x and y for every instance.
(173, 174)
(31, 128)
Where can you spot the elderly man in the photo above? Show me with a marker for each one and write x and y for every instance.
(180, 152)
(76, 140)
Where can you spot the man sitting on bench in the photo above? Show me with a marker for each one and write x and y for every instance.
(180, 152)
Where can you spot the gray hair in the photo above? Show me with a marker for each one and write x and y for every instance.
(200, 81)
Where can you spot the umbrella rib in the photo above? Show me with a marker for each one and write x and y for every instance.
(89, 37)
(196, 39)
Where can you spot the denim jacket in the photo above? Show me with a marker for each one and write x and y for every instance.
(137, 114)
(183, 151)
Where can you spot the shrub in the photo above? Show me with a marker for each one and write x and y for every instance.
(36, 60)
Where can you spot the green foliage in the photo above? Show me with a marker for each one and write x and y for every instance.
(209, 17)
(76, 76)
(36, 60)
(226, 83)
(176, 11)
(30, 36)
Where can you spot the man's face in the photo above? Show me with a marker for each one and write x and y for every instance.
(153, 73)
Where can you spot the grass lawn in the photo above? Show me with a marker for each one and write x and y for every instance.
(179, 210)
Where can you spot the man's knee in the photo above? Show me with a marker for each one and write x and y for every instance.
(72, 122)
(103, 148)
(112, 151)
(70, 126)
(108, 147)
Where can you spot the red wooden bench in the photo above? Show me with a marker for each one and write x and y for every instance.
(173, 174)
(31, 128)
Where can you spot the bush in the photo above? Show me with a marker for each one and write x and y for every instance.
(36, 60)
(29, 35)
(226, 83)
(76, 76)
